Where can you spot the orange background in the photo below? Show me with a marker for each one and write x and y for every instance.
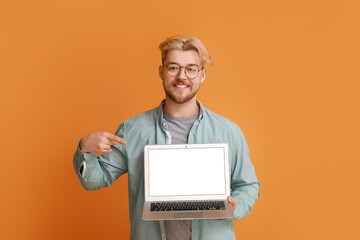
(287, 72)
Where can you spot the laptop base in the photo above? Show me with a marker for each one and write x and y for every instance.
(187, 214)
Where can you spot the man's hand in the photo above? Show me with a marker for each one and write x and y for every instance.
(99, 142)
(232, 201)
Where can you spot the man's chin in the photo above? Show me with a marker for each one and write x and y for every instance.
(180, 100)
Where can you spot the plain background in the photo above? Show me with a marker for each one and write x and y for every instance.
(287, 72)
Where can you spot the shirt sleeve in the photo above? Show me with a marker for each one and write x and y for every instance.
(95, 172)
(244, 183)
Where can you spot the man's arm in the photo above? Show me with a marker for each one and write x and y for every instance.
(244, 183)
(97, 172)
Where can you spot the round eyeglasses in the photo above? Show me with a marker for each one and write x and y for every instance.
(174, 69)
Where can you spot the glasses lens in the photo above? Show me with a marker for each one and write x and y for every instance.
(192, 72)
(172, 69)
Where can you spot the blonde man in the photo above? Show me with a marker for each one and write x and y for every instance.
(180, 118)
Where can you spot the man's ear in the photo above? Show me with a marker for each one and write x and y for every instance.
(160, 71)
(203, 75)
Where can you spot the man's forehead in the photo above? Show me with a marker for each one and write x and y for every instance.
(183, 57)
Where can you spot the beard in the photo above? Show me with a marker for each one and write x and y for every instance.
(180, 99)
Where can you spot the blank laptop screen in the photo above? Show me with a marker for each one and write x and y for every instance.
(186, 172)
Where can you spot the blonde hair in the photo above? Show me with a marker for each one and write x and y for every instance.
(183, 43)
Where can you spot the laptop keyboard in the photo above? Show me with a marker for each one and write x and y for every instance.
(186, 206)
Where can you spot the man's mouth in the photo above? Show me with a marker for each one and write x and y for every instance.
(181, 86)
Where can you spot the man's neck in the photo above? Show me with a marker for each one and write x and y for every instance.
(183, 110)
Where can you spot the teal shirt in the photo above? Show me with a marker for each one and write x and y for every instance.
(150, 128)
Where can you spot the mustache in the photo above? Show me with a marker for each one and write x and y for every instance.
(181, 82)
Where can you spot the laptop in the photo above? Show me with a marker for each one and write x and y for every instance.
(186, 181)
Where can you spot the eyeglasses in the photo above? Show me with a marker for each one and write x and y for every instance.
(191, 72)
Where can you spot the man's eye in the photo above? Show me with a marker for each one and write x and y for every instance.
(191, 69)
(173, 68)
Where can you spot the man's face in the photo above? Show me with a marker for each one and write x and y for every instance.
(181, 89)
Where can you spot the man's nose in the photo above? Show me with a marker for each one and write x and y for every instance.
(182, 74)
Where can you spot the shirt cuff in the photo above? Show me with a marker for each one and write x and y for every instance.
(86, 156)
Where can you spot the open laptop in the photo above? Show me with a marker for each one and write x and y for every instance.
(186, 181)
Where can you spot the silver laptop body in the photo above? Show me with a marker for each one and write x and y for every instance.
(186, 181)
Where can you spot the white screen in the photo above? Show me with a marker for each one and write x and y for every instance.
(174, 172)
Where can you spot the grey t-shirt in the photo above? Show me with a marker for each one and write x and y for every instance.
(179, 129)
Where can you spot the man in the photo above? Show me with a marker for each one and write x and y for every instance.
(179, 119)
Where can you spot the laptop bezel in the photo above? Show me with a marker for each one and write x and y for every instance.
(149, 198)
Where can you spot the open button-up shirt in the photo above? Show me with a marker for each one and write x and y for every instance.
(151, 128)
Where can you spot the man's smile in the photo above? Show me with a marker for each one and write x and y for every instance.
(182, 86)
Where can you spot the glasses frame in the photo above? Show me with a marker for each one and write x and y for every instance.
(197, 74)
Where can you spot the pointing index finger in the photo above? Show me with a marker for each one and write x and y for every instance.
(119, 140)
